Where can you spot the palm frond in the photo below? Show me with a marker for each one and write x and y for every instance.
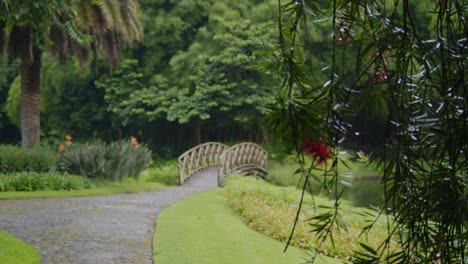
(131, 24)
(114, 25)
(111, 11)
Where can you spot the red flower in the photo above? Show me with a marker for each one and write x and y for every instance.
(317, 150)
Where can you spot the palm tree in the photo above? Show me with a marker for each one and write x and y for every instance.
(65, 28)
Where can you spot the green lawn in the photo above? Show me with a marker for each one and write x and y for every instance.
(15, 251)
(203, 229)
(100, 188)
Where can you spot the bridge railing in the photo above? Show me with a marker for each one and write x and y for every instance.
(243, 157)
(198, 158)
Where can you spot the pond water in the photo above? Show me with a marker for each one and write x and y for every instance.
(365, 192)
(362, 192)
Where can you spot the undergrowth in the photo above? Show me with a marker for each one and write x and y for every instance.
(33, 181)
(166, 172)
(18, 159)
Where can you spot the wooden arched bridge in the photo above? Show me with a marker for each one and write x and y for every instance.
(244, 158)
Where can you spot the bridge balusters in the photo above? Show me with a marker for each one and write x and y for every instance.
(241, 157)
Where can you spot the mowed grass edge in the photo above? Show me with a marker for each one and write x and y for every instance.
(100, 188)
(14, 250)
(202, 229)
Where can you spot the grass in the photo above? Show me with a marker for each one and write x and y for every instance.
(13, 251)
(203, 229)
(271, 210)
(100, 187)
(282, 172)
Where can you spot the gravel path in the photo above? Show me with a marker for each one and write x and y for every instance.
(106, 229)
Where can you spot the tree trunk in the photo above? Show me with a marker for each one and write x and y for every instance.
(197, 133)
(30, 99)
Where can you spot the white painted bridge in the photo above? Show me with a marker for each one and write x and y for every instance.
(244, 158)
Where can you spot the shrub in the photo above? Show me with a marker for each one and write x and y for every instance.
(166, 173)
(34, 181)
(18, 159)
(113, 161)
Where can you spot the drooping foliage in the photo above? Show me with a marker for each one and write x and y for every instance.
(406, 61)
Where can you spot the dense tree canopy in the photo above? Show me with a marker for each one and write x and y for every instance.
(216, 79)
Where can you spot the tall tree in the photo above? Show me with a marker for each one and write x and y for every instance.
(28, 28)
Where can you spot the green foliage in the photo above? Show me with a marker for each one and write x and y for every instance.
(271, 210)
(124, 91)
(215, 77)
(38, 17)
(13, 104)
(18, 159)
(70, 103)
(165, 172)
(220, 76)
(8, 72)
(114, 161)
(14, 250)
(32, 181)
(170, 26)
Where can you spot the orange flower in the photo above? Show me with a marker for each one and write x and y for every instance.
(61, 148)
(68, 138)
(134, 141)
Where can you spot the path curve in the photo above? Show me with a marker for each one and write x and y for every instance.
(105, 229)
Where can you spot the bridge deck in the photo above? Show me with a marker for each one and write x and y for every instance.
(206, 178)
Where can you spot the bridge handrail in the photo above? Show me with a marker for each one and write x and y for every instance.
(243, 154)
(190, 161)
